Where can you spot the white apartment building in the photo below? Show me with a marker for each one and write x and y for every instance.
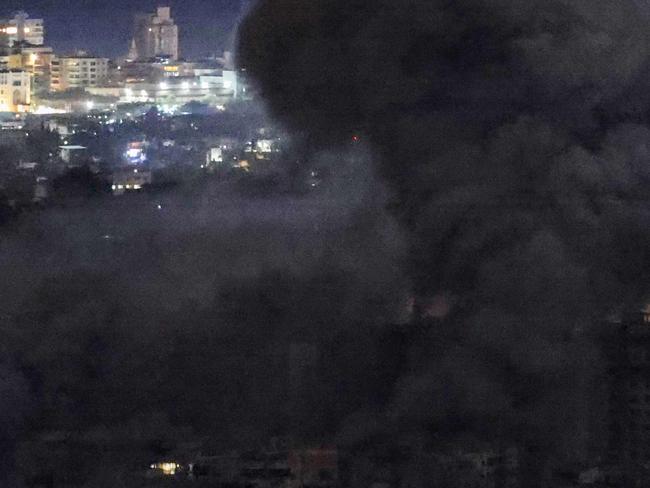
(79, 71)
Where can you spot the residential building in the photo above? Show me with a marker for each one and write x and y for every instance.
(22, 29)
(155, 34)
(78, 71)
(15, 90)
(37, 60)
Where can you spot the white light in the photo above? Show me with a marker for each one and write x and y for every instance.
(136, 187)
(133, 153)
(114, 187)
(163, 85)
(185, 85)
(43, 110)
(90, 104)
(144, 93)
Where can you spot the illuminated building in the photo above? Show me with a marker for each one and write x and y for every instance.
(15, 90)
(173, 91)
(155, 35)
(166, 469)
(215, 155)
(130, 179)
(37, 60)
(22, 29)
(79, 71)
(136, 152)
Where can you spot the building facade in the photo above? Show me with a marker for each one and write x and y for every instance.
(79, 71)
(22, 29)
(15, 90)
(156, 35)
(37, 60)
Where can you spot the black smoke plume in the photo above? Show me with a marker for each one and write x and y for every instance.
(513, 136)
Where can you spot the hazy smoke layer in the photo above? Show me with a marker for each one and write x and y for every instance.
(513, 135)
(131, 325)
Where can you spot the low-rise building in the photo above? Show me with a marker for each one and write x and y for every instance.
(130, 179)
(73, 155)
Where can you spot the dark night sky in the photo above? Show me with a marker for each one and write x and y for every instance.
(104, 27)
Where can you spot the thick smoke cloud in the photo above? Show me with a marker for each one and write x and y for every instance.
(513, 137)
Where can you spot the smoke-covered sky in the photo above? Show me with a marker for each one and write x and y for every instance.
(105, 27)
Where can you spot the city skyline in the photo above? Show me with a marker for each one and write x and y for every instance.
(106, 29)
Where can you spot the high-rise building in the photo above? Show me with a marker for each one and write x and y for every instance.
(15, 90)
(78, 71)
(22, 29)
(156, 35)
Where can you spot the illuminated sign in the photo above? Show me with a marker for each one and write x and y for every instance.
(135, 152)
